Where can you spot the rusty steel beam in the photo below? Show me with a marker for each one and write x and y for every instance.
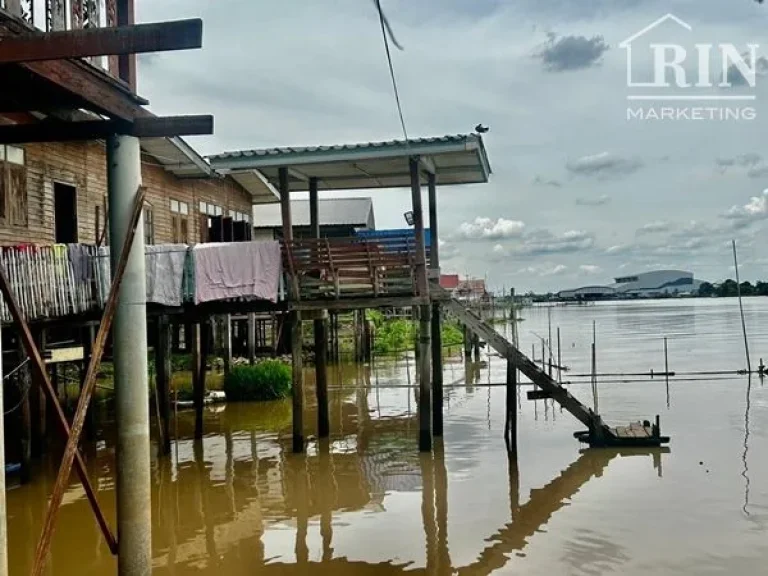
(86, 391)
(38, 367)
(150, 127)
(82, 43)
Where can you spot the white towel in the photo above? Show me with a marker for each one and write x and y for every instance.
(237, 270)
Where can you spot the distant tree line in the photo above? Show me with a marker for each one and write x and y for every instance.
(729, 288)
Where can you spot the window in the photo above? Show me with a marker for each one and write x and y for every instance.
(149, 225)
(13, 186)
(179, 222)
(239, 216)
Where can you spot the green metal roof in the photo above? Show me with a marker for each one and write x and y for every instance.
(459, 159)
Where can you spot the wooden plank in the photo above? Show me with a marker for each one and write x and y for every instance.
(135, 39)
(538, 395)
(153, 127)
(70, 354)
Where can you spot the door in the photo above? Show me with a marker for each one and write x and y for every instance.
(65, 213)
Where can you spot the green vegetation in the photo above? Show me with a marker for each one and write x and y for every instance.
(267, 380)
(397, 335)
(728, 289)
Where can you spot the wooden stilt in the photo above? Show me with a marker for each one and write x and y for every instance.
(37, 405)
(321, 377)
(425, 391)
(437, 371)
(89, 428)
(510, 427)
(198, 343)
(163, 370)
(251, 338)
(476, 346)
(298, 383)
(23, 378)
(226, 340)
(467, 343)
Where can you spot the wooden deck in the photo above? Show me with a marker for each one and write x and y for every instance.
(351, 268)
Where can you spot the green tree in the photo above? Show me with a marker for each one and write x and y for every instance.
(761, 288)
(747, 289)
(726, 289)
(706, 290)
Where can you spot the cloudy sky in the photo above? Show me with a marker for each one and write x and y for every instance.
(578, 194)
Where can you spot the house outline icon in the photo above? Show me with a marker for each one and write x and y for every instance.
(627, 44)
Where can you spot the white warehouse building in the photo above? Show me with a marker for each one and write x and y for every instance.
(644, 285)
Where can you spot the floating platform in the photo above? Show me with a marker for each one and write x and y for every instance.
(637, 434)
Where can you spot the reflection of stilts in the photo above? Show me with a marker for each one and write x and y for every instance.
(441, 510)
(204, 507)
(745, 472)
(529, 518)
(327, 499)
(428, 508)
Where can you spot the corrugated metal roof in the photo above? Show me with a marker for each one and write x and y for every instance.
(296, 150)
(456, 159)
(331, 212)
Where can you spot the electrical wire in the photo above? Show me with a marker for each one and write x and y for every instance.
(384, 28)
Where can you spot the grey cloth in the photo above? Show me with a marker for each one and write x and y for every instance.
(237, 270)
(165, 273)
(80, 258)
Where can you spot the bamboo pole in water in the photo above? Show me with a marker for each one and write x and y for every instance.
(741, 306)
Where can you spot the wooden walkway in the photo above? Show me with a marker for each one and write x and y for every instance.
(598, 434)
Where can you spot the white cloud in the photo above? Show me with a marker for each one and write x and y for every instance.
(489, 229)
(601, 200)
(755, 209)
(617, 249)
(590, 269)
(543, 270)
(448, 250)
(654, 227)
(545, 242)
(604, 164)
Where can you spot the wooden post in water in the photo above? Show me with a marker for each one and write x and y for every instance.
(163, 369)
(437, 336)
(741, 307)
(559, 359)
(666, 369)
(422, 284)
(549, 338)
(198, 342)
(320, 331)
(467, 342)
(226, 338)
(297, 391)
(476, 346)
(23, 377)
(37, 404)
(510, 427)
(251, 337)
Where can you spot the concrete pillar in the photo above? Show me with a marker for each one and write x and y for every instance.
(134, 504)
(3, 520)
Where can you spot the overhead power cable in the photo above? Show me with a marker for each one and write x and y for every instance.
(387, 34)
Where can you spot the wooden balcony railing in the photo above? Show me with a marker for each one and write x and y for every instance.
(55, 15)
(350, 267)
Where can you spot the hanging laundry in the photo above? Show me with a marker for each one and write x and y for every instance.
(165, 273)
(237, 270)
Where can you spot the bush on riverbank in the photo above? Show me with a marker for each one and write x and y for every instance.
(267, 380)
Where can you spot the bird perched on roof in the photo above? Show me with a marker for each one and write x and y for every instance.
(480, 129)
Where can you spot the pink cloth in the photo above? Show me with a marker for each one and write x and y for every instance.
(237, 270)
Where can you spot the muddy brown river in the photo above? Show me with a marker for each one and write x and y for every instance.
(367, 502)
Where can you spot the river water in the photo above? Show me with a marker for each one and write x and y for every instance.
(368, 503)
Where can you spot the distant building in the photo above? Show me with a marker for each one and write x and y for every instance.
(472, 289)
(449, 282)
(644, 285)
(339, 218)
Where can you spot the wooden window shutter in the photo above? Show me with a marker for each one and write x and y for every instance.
(184, 235)
(3, 188)
(17, 194)
(175, 229)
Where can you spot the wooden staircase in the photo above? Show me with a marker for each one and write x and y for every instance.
(598, 434)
